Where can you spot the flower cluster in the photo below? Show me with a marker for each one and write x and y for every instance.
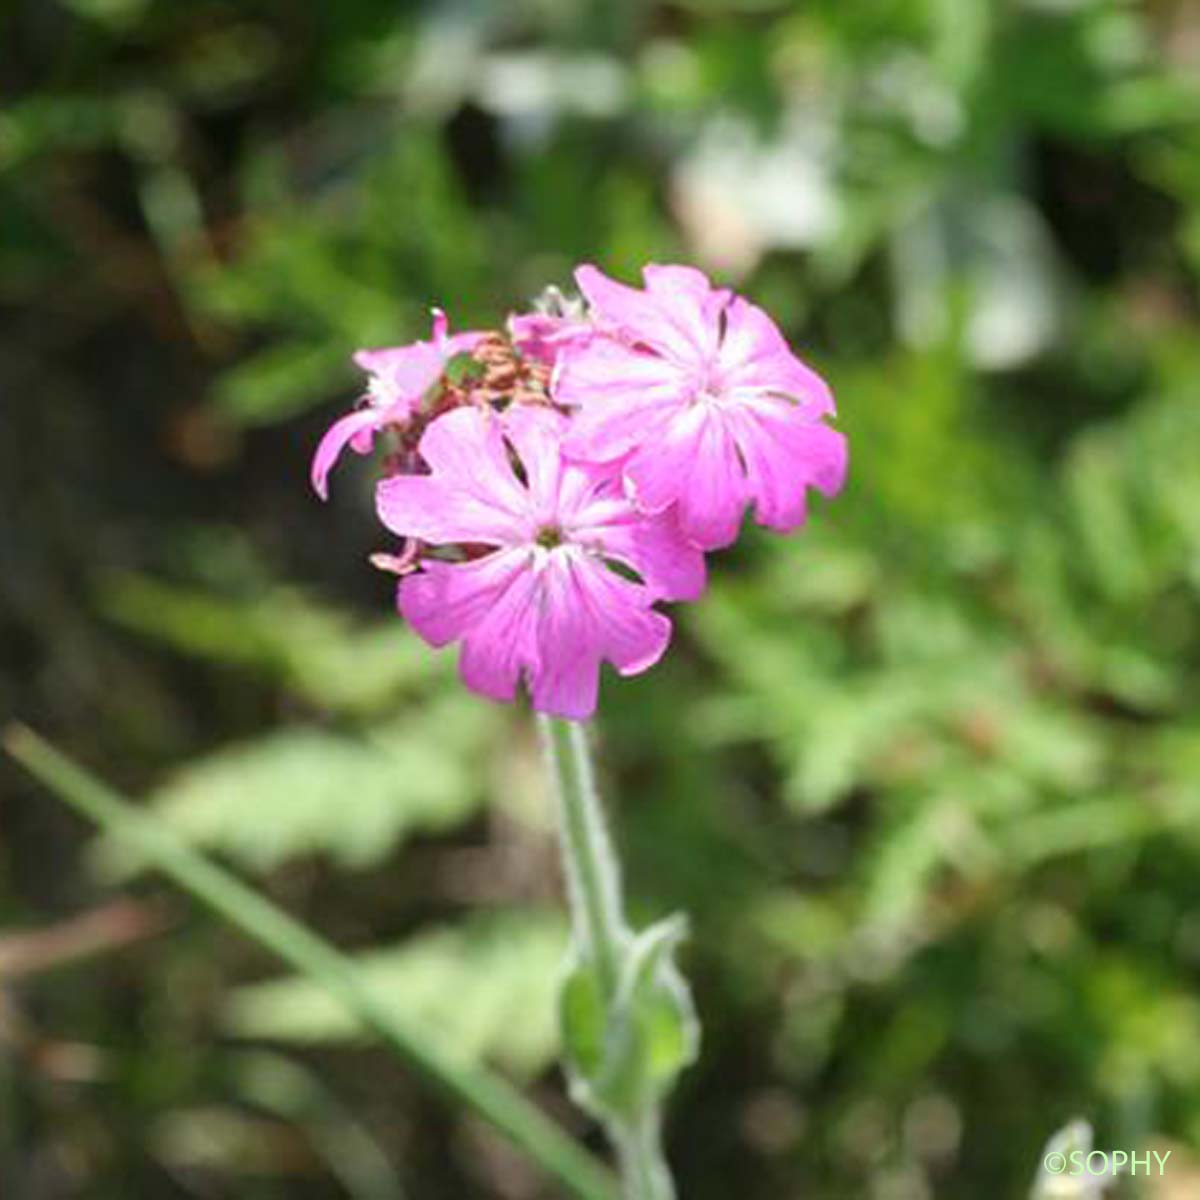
(553, 483)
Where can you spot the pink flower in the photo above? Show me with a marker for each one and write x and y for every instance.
(695, 394)
(532, 592)
(398, 377)
(542, 336)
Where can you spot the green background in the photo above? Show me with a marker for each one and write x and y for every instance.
(926, 776)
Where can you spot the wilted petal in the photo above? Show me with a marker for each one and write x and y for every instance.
(348, 430)
(407, 369)
(542, 336)
(412, 369)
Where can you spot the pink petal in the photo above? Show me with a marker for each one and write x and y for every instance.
(673, 280)
(422, 506)
(755, 357)
(653, 545)
(441, 328)
(589, 614)
(490, 606)
(462, 343)
(786, 453)
(671, 325)
(352, 429)
(624, 396)
(660, 469)
(633, 636)
(713, 500)
(691, 304)
(503, 645)
(536, 435)
(445, 602)
(533, 335)
(465, 449)
(584, 485)
(567, 678)
(695, 465)
(671, 565)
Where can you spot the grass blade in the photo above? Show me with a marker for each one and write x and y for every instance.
(484, 1093)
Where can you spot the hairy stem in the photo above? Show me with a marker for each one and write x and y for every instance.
(601, 935)
(593, 873)
(644, 1171)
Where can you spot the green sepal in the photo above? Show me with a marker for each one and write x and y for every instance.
(656, 1034)
(627, 1058)
(582, 1022)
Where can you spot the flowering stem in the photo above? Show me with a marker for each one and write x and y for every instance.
(644, 1171)
(593, 872)
(602, 939)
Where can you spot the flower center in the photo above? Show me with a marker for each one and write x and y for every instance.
(707, 387)
(549, 536)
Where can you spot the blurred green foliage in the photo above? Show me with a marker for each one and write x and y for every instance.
(501, 969)
(927, 777)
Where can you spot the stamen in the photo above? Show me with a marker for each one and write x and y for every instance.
(549, 536)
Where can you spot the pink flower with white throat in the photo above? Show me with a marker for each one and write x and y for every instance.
(695, 395)
(397, 379)
(531, 591)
